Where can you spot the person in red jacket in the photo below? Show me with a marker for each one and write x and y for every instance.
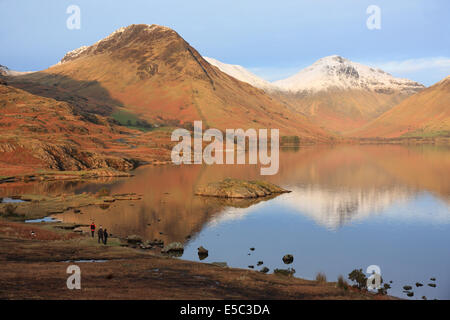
(92, 228)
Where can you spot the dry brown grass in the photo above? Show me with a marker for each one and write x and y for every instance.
(33, 268)
(342, 283)
(321, 277)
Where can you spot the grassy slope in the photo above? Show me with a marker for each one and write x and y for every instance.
(342, 110)
(425, 114)
(31, 125)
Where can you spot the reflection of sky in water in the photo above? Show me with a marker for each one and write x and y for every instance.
(408, 239)
(351, 207)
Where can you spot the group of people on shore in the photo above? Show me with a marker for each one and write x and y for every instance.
(102, 234)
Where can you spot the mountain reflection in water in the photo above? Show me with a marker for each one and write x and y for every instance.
(397, 192)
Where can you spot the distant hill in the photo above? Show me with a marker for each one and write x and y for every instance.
(425, 114)
(335, 93)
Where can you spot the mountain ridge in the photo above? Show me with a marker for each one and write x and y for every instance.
(340, 71)
(153, 73)
(334, 93)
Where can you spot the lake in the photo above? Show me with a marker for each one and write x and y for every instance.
(350, 207)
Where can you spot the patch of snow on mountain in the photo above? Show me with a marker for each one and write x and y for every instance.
(5, 71)
(240, 73)
(339, 73)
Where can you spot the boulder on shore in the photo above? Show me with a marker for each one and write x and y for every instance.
(264, 270)
(156, 243)
(235, 188)
(134, 239)
(174, 247)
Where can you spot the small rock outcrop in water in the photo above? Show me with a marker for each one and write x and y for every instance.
(202, 253)
(235, 188)
(288, 259)
(407, 288)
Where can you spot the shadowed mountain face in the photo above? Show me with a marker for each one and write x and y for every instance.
(151, 72)
(425, 114)
(38, 132)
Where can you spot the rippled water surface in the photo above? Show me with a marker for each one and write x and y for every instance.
(350, 207)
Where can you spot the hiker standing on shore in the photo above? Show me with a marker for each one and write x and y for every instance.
(105, 236)
(101, 234)
(93, 229)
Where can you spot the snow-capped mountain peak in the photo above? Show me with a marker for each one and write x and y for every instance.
(332, 72)
(240, 73)
(336, 72)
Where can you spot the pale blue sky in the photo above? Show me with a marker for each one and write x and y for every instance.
(274, 39)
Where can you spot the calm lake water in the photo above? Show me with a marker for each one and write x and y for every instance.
(350, 207)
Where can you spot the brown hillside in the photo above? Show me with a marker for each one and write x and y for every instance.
(41, 133)
(425, 114)
(151, 72)
(341, 110)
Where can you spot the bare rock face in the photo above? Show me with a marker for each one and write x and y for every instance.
(42, 133)
(65, 157)
(234, 188)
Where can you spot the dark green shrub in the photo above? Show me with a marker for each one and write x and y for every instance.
(359, 278)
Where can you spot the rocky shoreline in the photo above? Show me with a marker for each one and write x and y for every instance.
(32, 207)
(34, 258)
(43, 250)
(65, 175)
